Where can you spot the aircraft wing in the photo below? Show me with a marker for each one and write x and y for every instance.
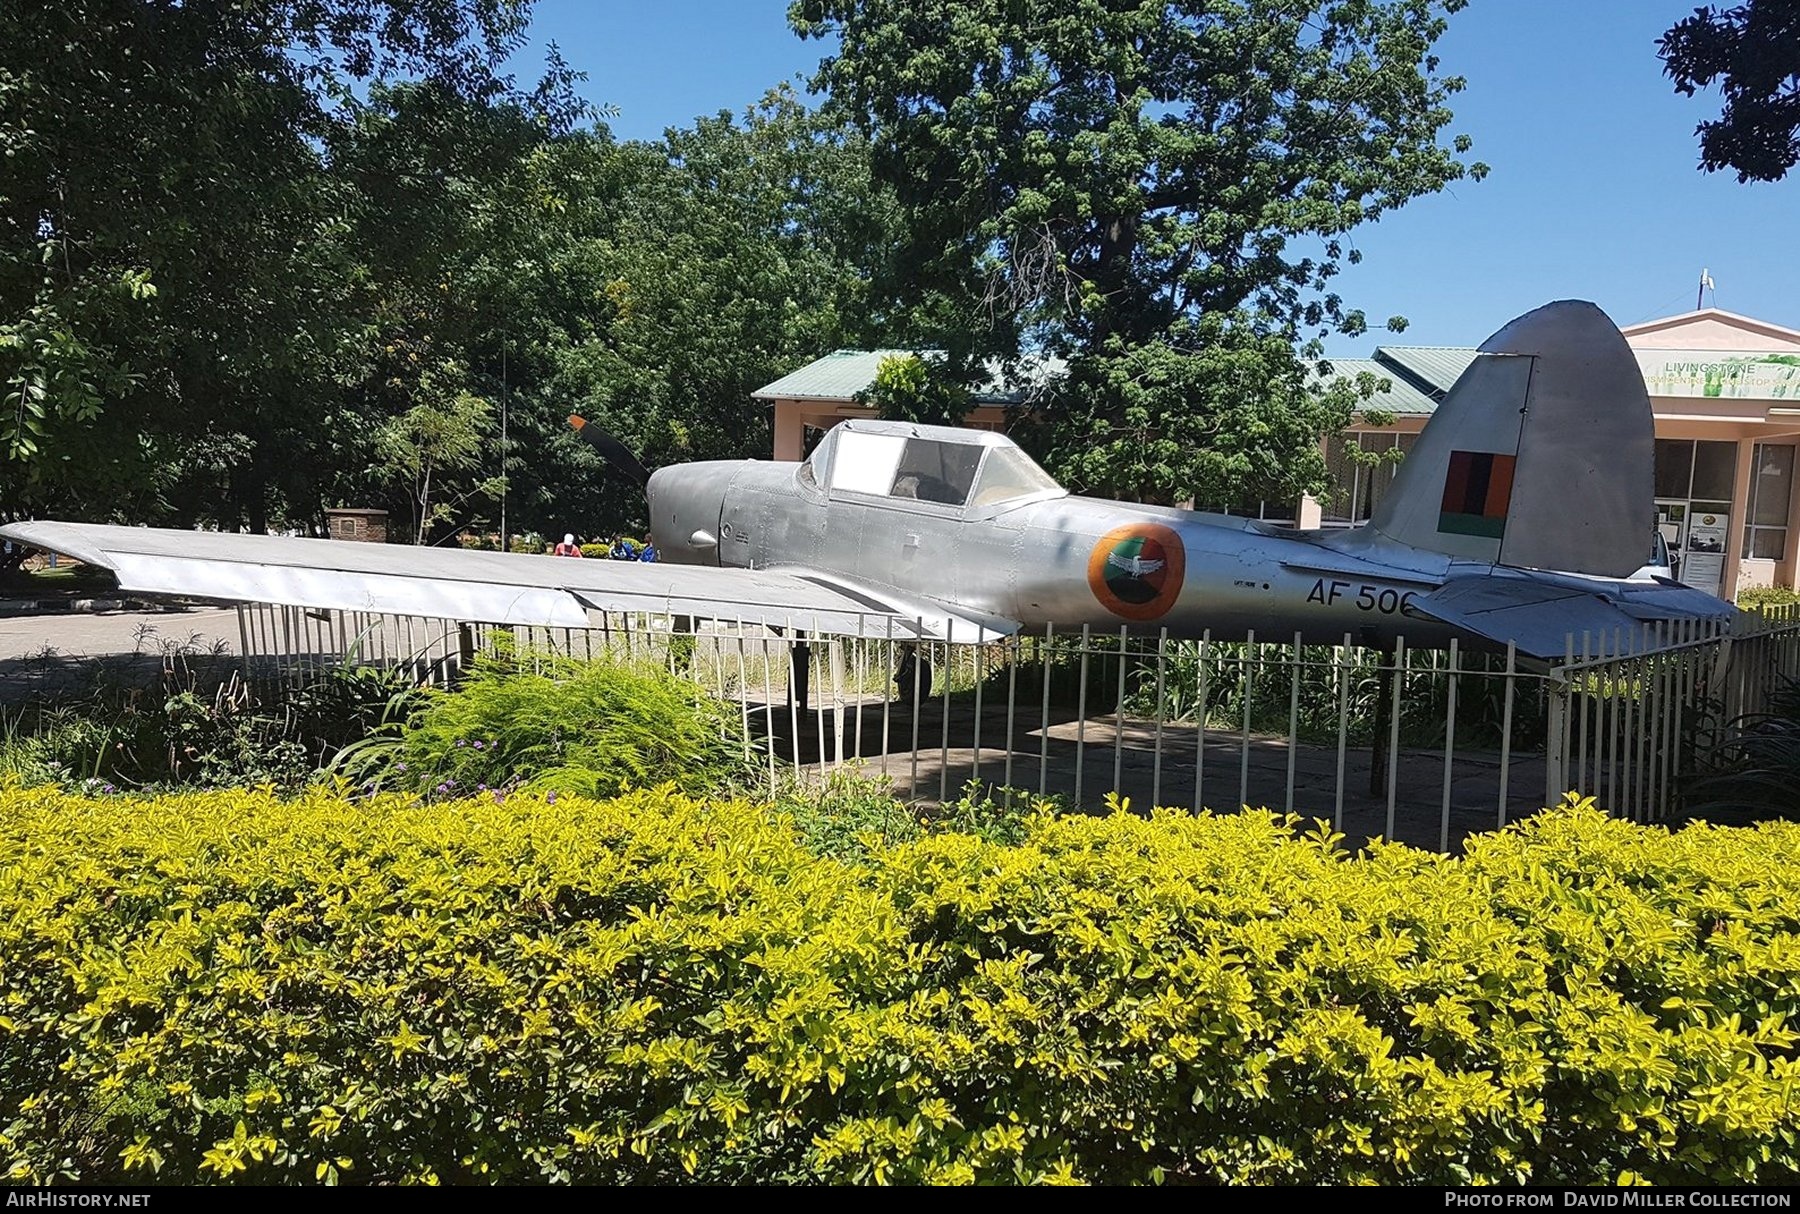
(486, 587)
(1541, 616)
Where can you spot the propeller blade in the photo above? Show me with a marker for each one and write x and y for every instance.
(611, 449)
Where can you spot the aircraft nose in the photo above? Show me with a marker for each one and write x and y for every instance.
(685, 504)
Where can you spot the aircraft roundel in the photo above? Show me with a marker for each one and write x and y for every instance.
(1135, 570)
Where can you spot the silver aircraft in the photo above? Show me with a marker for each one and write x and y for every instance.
(1519, 517)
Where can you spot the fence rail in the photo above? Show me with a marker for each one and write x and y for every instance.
(1422, 745)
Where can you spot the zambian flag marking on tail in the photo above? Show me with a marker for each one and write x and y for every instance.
(1477, 491)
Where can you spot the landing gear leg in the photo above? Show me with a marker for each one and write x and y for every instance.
(912, 675)
(799, 676)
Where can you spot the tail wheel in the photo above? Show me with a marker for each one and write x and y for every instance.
(912, 675)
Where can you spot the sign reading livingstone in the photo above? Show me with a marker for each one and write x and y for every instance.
(1700, 373)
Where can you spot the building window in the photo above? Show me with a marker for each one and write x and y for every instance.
(1357, 485)
(1702, 471)
(1771, 489)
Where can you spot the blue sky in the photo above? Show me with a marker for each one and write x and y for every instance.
(1594, 192)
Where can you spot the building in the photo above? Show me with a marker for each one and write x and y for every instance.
(1725, 390)
(824, 392)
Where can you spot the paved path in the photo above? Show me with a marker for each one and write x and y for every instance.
(1082, 761)
(84, 633)
(65, 648)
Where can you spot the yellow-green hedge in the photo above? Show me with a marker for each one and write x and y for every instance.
(230, 986)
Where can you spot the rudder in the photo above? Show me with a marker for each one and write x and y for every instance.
(1542, 456)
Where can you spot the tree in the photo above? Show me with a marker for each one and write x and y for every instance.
(1753, 52)
(905, 389)
(430, 447)
(696, 269)
(1162, 191)
(173, 290)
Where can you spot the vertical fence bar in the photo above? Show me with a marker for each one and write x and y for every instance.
(980, 678)
(1012, 699)
(1081, 717)
(743, 689)
(1581, 761)
(1045, 666)
(820, 665)
(920, 677)
(1449, 748)
(1506, 723)
(1393, 771)
(887, 698)
(1246, 685)
(1678, 660)
(1644, 753)
(1162, 657)
(1567, 737)
(837, 701)
(1247, 680)
(860, 678)
(1200, 724)
(768, 709)
(1119, 716)
(243, 620)
(1628, 705)
(1293, 740)
(944, 738)
(1342, 671)
(797, 652)
(1659, 755)
(1611, 729)
(1691, 631)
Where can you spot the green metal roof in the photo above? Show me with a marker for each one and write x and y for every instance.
(843, 374)
(1399, 397)
(1417, 376)
(1433, 369)
(840, 375)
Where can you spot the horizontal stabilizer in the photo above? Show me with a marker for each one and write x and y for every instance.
(1549, 620)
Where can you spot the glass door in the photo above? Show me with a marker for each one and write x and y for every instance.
(1693, 507)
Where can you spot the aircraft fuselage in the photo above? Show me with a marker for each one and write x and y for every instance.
(1060, 560)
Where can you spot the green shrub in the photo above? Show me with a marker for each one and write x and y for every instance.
(1767, 596)
(852, 815)
(196, 723)
(593, 728)
(227, 986)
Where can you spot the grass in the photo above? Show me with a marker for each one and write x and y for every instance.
(68, 580)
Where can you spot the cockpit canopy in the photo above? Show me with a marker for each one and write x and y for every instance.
(943, 465)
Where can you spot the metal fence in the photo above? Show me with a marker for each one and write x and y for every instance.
(1421, 745)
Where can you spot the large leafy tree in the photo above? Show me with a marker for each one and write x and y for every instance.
(650, 286)
(1753, 52)
(173, 286)
(699, 267)
(1164, 191)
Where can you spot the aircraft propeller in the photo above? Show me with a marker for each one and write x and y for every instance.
(614, 452)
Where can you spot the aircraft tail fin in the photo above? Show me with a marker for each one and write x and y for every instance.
(1541, 456)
